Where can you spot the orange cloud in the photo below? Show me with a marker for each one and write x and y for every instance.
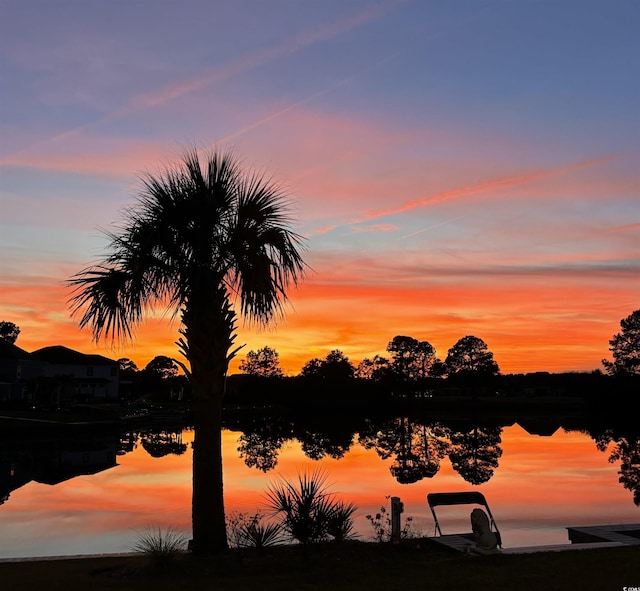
(495, 184)
(552, 313)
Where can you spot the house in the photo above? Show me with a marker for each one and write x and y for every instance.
(18, 370)
(87, 378)
(55, 376)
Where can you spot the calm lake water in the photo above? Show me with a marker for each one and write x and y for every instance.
(94, 495)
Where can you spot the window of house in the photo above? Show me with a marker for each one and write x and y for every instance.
(89, 371)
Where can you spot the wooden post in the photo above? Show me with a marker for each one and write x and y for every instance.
(396, 508)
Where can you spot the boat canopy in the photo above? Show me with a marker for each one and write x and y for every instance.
(460, 498)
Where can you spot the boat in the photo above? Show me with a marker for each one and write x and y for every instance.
(470, 540)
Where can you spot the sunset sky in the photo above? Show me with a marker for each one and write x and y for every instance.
(457, 167)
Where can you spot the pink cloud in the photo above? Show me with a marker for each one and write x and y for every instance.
(490, 185)
(96, 156)
(625, 228)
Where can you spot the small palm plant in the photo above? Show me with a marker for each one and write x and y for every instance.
(161, 547)
(340, 522)
(309, 512)
(250, 531)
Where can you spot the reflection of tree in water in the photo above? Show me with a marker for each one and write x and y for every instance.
(163, 443)
(262, 440)
(316, 446)
(474, 454)
(626, 450)
(260, 449)
(128, 442)
(431, 443)
(332, 441)
(417, 449)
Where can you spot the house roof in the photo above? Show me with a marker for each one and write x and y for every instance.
(11, 351)
(64, 356)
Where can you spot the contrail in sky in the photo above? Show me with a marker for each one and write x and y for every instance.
(431, 227)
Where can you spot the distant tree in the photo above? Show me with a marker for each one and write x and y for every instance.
(264, 363)
(375, 369)
(411, 358)
(130, 377)
(162, 366)
(471, 355)
(334, 367)
(128, 369)
(625, 347)
(125, 364)
(9, 331)
(312, 368)
(438, 368)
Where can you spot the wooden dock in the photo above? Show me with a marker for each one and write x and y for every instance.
(581, 538)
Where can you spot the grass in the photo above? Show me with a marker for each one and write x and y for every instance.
(346, 566)
(162, 548)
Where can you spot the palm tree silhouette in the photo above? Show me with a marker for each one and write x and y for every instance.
(203, 239)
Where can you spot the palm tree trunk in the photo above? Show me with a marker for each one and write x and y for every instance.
(209, 530)
(209, 324)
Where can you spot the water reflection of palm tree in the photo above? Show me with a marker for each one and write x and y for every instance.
(200, 239)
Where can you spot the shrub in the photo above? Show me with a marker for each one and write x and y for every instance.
(381, 524)
(309, 512)
(249, 531)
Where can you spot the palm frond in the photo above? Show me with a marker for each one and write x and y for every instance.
(264, 251)
(196, 229)
(101, 295)
(309, 512)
